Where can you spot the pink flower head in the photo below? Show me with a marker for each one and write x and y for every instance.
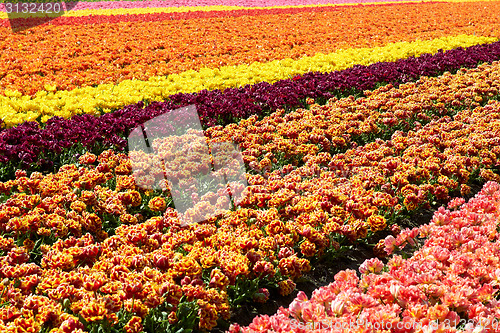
(283, 312)
(338, 307)
(235, 328)
(441, 216)
(394, 290)
(322, 295)
(373, 265)
(490, 188)
(395, 262)
(440, 253)
(301, 296)
(312, 312)
(456, 203)
(390, 244)
(295, 308)
(260, 324)
(347, 279)
(280, 323)
(495, 276)
(297, 304)
(360, 301)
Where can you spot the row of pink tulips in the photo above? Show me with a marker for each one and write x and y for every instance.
(448, 285)
(83, 5)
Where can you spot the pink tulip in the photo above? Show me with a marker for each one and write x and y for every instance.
(390, 244)
(338, 307)
(373, 265)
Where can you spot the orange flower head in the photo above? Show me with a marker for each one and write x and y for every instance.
(87, 158)
(78, 206)
(218, 279)
(157, 204)
(307, 248)
(286, 287)
(134, 325)
(208, 315)
(93, 311)
(377, 223)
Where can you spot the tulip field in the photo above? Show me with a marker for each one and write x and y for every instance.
(350, 118)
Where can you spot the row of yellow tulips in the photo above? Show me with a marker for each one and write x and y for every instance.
(16, 108)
